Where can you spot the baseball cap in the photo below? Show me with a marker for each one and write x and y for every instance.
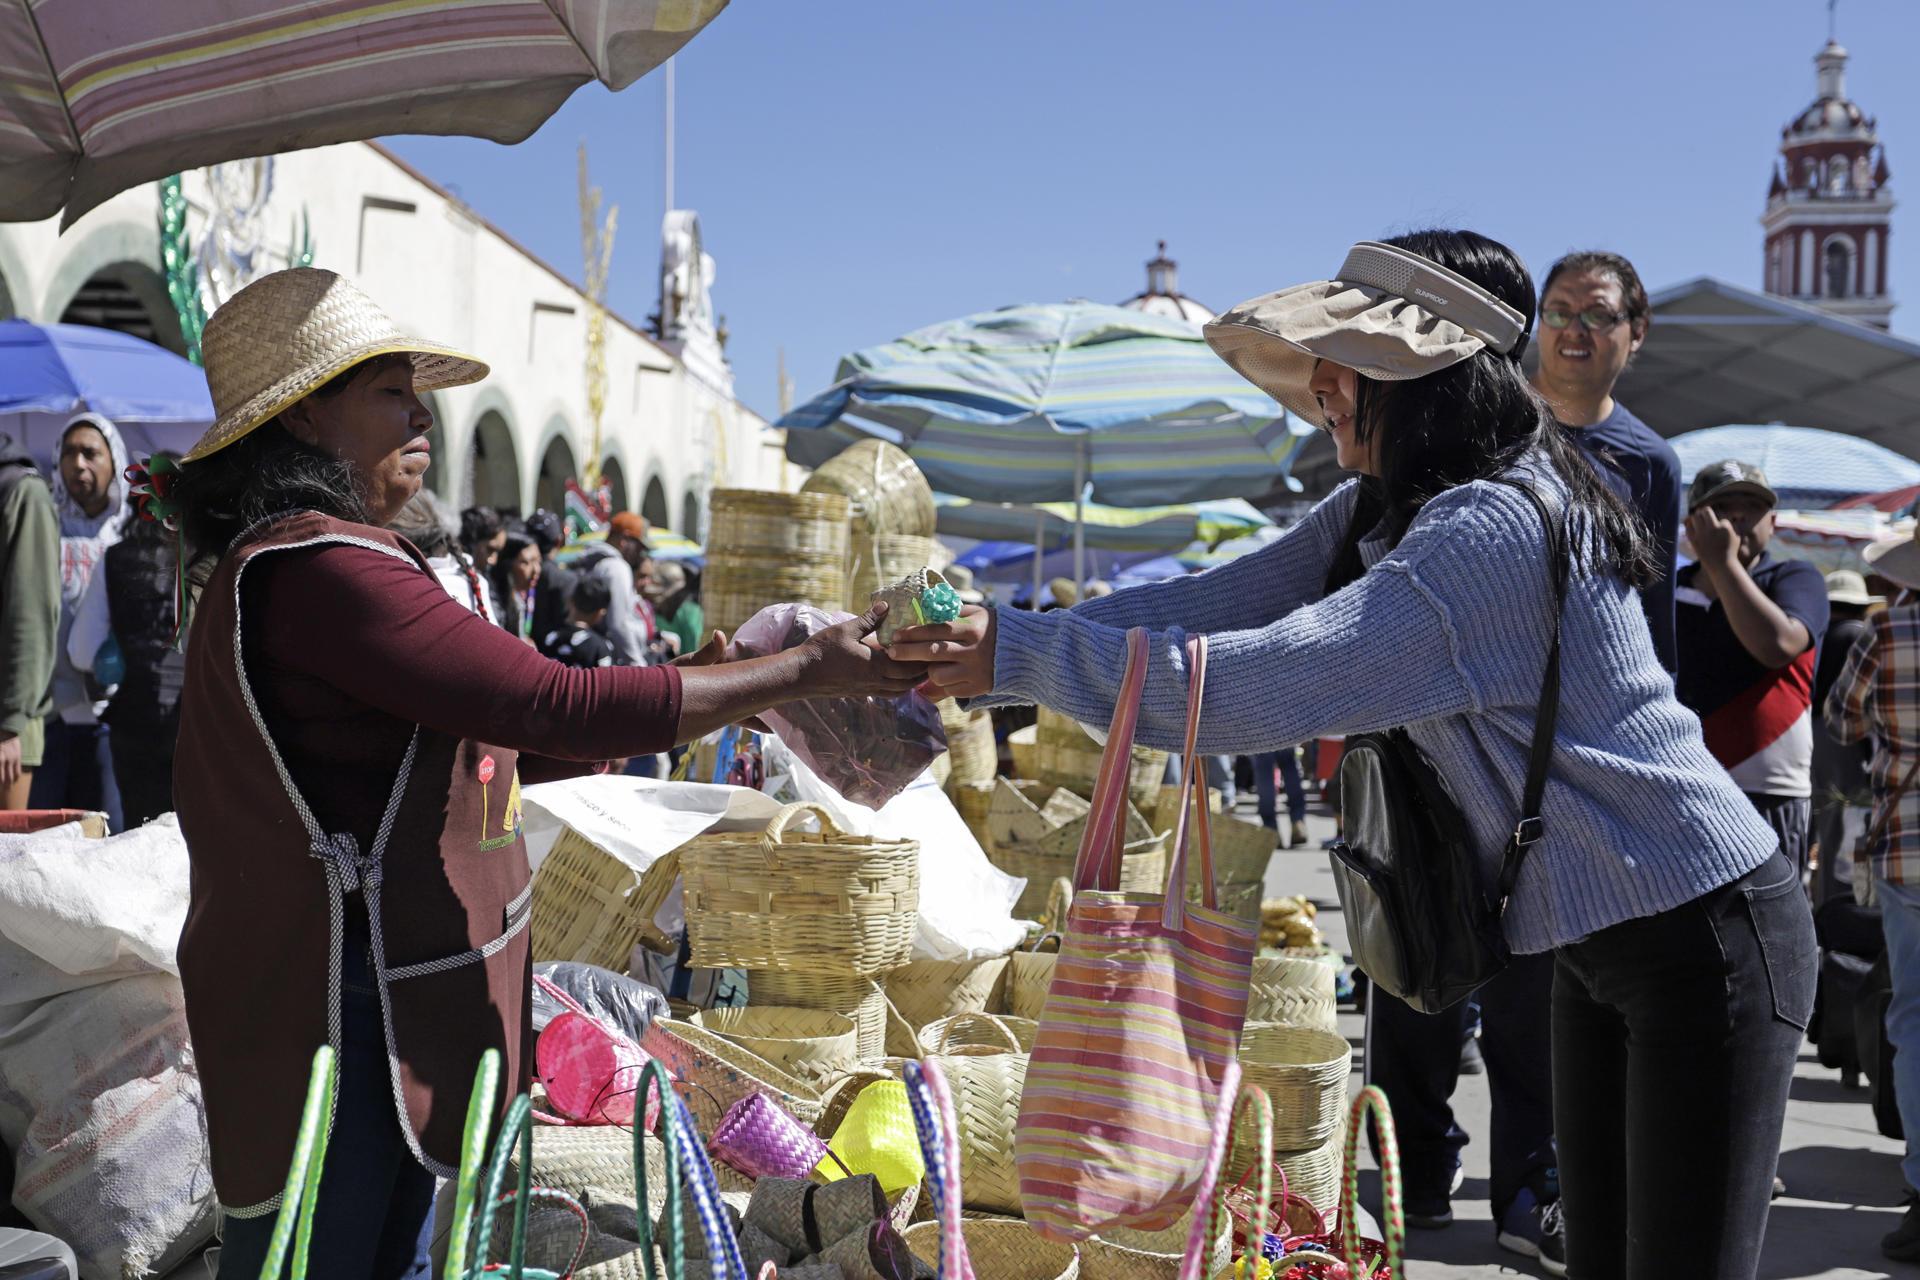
(627, 524)
(1729, 475)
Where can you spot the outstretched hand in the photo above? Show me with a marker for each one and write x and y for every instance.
(845, 661)
(958, 654)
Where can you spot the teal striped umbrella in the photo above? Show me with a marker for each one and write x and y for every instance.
(1057, 403)
(1046, 524)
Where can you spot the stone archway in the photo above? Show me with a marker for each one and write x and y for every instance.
(556, 468)
(690, 515)
(653, 507)
(493, 465)
(614, 476)
(129, 297)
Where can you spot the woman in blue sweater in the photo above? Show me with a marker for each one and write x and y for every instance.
(1419, 595)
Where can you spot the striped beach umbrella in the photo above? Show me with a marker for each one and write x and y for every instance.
(1059, 402)
(97, 96)
(1051, 524)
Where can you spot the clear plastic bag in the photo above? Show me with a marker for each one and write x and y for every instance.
(868, 750)
(626, 1004)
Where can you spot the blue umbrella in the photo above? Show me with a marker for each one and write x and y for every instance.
(1808, 468)
(50, 372)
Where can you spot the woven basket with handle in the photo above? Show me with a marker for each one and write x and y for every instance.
(718, 1073)
(591, 907)
(828, 903)
(812, 1044)
(924, 990)
(978, 1033)
(1030, 970)
(861, 999)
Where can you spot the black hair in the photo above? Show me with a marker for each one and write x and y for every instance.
(1475, 420)
(1601, 263)
(479, 526)
(266, 472)
(590, 596)
(547, 530)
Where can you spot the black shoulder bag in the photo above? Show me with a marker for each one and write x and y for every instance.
(1420, 920)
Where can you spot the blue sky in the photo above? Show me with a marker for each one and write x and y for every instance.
(863, 168)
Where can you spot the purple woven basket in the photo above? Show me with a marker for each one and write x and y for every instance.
(761, 1140)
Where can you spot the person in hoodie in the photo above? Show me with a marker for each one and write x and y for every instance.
(613, 562)
(90, 498)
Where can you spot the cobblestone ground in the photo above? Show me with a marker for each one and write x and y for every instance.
(1843, 1178)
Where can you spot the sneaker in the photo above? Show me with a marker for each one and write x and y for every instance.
(1298, 836)
(1471, 1061)
(1533, 1230)
(1902, 1244)
(1436, 1212)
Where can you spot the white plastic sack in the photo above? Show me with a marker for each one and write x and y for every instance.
(99, 1099)
(966, 903)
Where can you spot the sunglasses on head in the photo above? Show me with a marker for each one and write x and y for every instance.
(1593, 319)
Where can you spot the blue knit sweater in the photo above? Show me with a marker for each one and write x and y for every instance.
(1445, 634)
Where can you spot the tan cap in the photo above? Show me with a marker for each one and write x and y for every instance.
(1390, 314)
(288, 333)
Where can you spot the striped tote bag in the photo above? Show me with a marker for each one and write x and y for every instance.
(1142, 1021)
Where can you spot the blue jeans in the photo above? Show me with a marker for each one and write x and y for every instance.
(77, 772)
(1289, 764)
(375, 1215)
(1900, 921)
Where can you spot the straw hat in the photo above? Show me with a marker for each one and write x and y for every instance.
(1390, 314)
(288, 333)
(1844, 586)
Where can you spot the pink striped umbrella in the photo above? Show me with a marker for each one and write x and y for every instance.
(97, 96)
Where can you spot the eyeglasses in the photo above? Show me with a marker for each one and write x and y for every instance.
(1593, 319)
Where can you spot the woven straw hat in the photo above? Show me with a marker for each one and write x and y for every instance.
(288, 333)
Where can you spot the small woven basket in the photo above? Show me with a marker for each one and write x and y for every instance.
(720, 1073)
(978, 1033)
(1292, 990)
(970, 747)
(1001, 1249)
(924, 990)
(827, 903)
(591, 907)
(877, 561)
(812, 1044)
(986, 1103)
(861, 999)
(1030, 970)
(770, 548)
(1304, 1070)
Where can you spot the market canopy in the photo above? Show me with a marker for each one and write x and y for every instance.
(1718, 353)
(1107, 528)
(1806, 468)
(102, 95)
(1036, 403)
(49, 372)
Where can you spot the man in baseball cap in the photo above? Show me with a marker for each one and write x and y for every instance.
(1747, 628)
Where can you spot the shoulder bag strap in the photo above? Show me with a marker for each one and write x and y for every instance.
(1098, 864)
(1194, 826)
(1529, 830)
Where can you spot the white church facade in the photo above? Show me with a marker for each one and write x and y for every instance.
(672, 427)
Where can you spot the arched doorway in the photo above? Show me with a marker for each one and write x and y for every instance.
(653, 507)
(690, 515)
(129, 297)
(614, 476)
(556, 468)
(493, 466)
(439, 462)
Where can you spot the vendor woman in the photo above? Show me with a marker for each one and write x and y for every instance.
(352, 748)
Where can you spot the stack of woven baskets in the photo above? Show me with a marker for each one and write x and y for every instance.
(816, 920)
(1034, 831)
(772, 548)
(1064, 755)
(891, 513)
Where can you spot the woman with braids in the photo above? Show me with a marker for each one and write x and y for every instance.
(426, 523)
(1420, 595)
(352, 747)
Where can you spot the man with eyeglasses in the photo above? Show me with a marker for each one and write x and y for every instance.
(1594, 316)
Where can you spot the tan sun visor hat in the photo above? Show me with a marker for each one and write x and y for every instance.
(1389, 314)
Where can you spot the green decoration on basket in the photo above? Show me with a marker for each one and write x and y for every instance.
(302, 1190)
(176, 261)
(473, 1154)
(922, 596)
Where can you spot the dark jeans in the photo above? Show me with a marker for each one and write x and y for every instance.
(1415, 1058)
(1289, 762)
(375, 1215)
(1674, 1039)
(77, 772)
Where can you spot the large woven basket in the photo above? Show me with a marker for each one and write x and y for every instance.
(590, 906)
(1294, 990)
(925, 990)
(593, 1164)
(973, 800)
(978, 1033)
(885, 491)
(812, 1044)
(771, 548)
(878, 560)
(1304, 1070)
(986, 1090)
(719, 1073)
(827, 903)
(1001, 1249)
(1023, 745)
(1067, 756)
(861, 999)
(1313, 1173)
(970, 747)
(1126, 1254)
